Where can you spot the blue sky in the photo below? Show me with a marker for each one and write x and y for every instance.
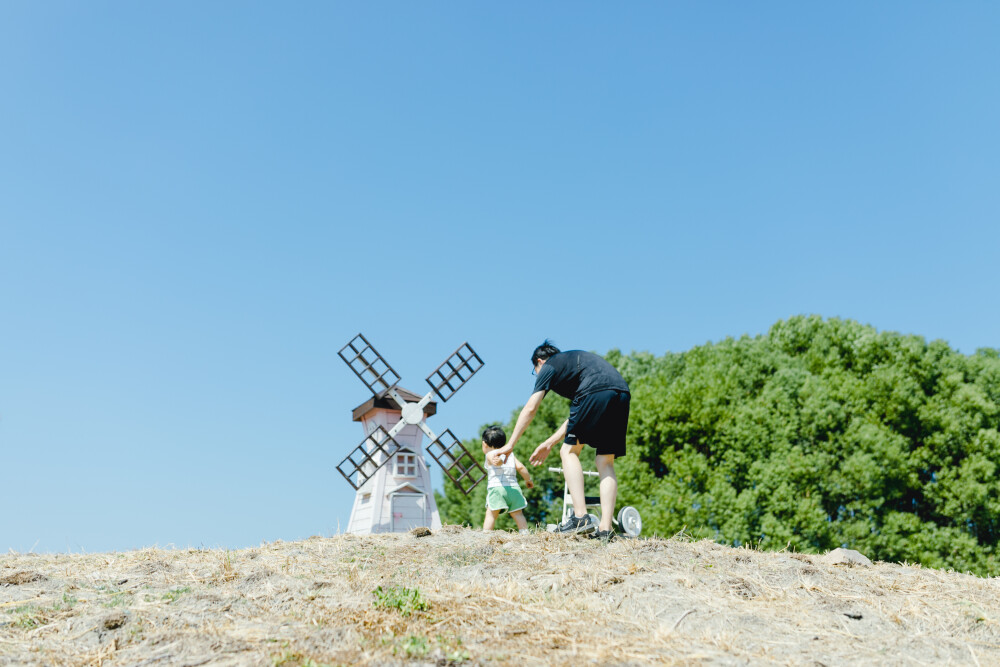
(200, 203)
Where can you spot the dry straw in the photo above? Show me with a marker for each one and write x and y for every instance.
(462, 596)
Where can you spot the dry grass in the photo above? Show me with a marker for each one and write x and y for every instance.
(462, 596)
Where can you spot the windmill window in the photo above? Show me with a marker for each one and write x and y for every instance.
(406, 465)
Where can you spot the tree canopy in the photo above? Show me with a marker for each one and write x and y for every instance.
(819, 434)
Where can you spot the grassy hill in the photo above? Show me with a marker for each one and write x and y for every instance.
(460, 596)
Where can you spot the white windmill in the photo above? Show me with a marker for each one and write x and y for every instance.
(399, 497)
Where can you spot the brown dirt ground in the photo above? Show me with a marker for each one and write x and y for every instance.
(490, 598)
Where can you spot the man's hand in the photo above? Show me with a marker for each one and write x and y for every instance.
(540, 454)
(493, 459)
(530, 483)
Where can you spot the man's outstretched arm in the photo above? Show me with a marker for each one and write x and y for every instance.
(542, 451)
(523, 419)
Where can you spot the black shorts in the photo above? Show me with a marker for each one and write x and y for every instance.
(600, 420)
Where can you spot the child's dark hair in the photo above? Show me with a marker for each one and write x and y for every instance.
(494, 437)
(543, 351)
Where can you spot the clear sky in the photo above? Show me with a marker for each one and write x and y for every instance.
(201, 202)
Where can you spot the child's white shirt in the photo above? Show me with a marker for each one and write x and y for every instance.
(502, 475)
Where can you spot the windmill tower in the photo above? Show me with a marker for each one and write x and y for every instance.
(387, 470)
(398, 497)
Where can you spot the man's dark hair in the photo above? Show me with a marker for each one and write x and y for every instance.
(543, 351)
(494, 437)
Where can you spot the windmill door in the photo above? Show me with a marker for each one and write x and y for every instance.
(409, 511)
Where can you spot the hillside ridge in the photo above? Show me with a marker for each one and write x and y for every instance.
(461, 596)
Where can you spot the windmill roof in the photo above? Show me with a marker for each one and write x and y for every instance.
(404, 485)
(384, 401)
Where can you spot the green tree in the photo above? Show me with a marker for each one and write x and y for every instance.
(821, 433)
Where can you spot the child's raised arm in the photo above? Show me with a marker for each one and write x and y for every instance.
(523, 472)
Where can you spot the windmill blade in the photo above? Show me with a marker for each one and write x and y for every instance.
(363, 459)
(454, 372)
(368, 365)
(458, 464)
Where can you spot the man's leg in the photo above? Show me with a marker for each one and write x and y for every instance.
(573, 472)
(518, 517)
(491, 518)
(609, 488)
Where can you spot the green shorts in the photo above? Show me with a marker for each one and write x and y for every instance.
(505, 498)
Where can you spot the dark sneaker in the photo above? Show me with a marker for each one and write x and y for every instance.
(604, 535)
(576, 525)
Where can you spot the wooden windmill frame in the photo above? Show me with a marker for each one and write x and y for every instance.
(376, 450)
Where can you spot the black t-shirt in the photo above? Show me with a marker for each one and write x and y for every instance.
(578, 373)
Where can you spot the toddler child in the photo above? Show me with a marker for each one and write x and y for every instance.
(502, 491)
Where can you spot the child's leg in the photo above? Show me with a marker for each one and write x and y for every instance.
(491, 518)
(519, 519)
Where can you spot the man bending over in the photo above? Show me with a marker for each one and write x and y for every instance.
(598, 417)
